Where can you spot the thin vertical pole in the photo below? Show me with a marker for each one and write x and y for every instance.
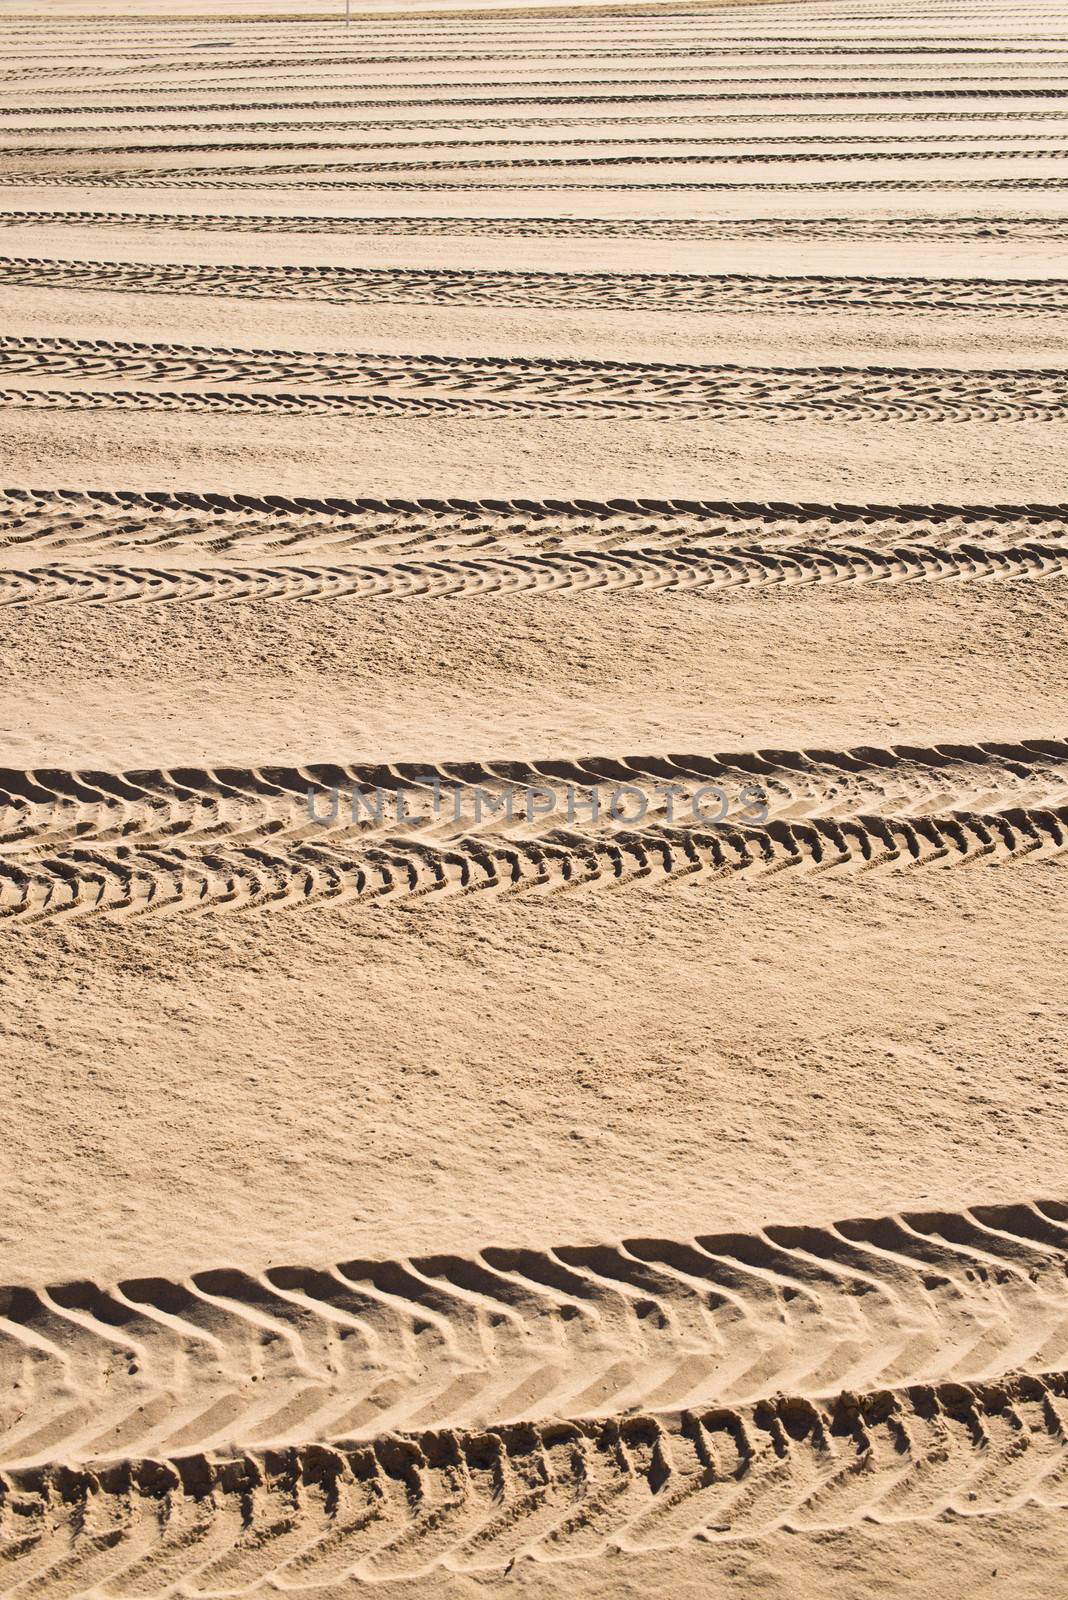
(348, 13)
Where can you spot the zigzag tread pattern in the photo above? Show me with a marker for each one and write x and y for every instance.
(432, 385)
(682, 569)
(314, 174)
(120, 881)
(288, 65)
(64, 523)
(587, 290)
(229, 1359)
(946, 228)
(477, 1501)
(45, 809)
(961, 397)
(247, 123)
(218, 179)
(507, 97)
(794, 147)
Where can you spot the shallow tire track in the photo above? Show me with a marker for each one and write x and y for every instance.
(1009, 397)
(222, 181)
(714, 293)
(679, 569)
(431, 385)
(1021, 228)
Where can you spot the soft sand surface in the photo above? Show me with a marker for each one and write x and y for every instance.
(588, 1194)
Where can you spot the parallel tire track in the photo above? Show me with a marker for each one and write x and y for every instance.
(221, 180)
(316, 172)
(963, 398)
(121, 880)
(437, 385)
(638, 291)
(477, 1501)
(150, 1366)
(249, 123)
(680, 569)
(642, 50)
(45, 809)
(315, 1426)
(504, 97)
(1017, 229)
(66, 522)
(799, 146)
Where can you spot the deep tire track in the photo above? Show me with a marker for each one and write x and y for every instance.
(49, 808)
(537, 98)
(249, 123)
(316, 174)
(475, 1502)
(512, 1336)
(65, 523)
(801, 146)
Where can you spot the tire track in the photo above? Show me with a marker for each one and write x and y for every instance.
(715, 186)
(39, 43)
(119, 881)
(963, 400)
(1018, 229)
(306, 173)
(651, 97)
(640, 291)
(380, 124)
(476, 1501)
(682, 569)
(358, 1349)
(47, 809)
(1027, 145)
(584, 51)
(291, 70)
(433, 385)
(801, 52)
(291, 65)
(538, 97)
(69, 522)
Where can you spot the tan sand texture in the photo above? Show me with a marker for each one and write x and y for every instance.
(533, 799)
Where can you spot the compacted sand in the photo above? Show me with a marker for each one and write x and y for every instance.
(535, 801)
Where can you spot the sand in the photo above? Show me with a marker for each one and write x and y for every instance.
(534, 799)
